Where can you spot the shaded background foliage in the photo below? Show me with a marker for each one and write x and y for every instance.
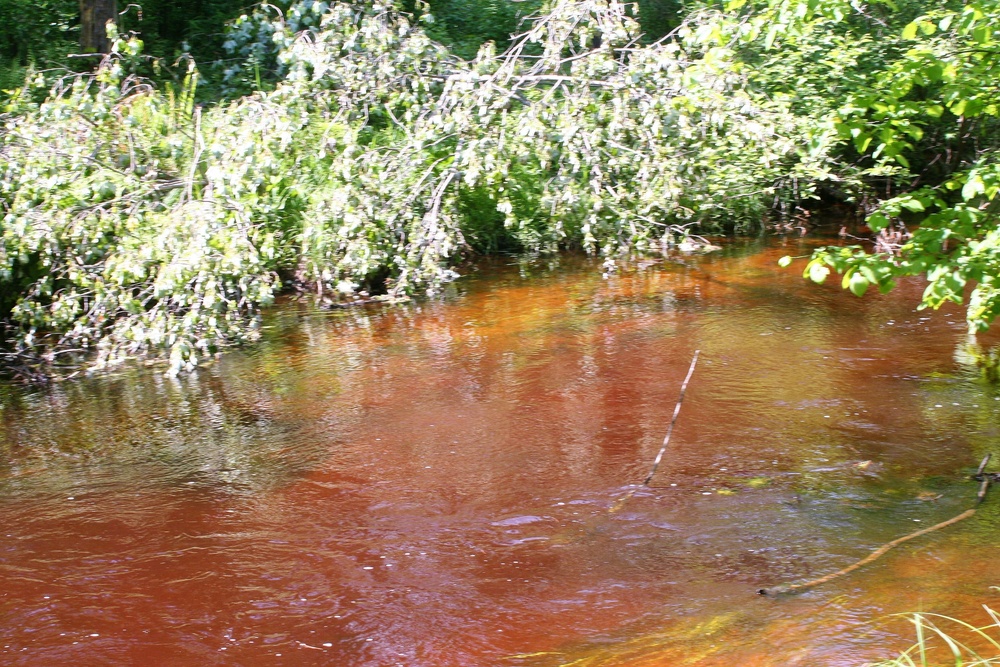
(35, 34)
(40, 33)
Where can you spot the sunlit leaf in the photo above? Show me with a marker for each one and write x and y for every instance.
(817, 272)
(858, 284)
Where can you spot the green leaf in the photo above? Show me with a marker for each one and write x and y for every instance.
(816, 271)
(910, 31)
(785, 262)
(770, 37)
(877, 221)
(914, 205)
(973, 187)
(933, 73)
(858, 284)
(954, 283)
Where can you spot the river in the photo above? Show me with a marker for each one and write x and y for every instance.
(430, 484)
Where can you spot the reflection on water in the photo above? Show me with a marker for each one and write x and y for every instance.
(429, 485)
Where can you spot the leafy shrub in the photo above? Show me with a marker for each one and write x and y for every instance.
(138, 222)
(133, 221)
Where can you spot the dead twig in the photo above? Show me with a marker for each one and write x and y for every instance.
(666, 440)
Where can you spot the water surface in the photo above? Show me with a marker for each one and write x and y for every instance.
(430, 484)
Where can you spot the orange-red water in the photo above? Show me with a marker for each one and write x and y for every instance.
(429, 485)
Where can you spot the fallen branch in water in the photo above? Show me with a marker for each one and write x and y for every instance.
(787, 589)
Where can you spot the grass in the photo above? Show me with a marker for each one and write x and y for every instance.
(943, 640)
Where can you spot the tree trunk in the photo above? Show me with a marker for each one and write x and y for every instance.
(94, 17)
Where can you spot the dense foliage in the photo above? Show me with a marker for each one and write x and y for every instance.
(37, 35)
(34, 32)
(357, 152)
(932, 113)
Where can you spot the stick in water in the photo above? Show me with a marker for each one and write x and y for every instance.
(982, 466)
(984, 486)
(620, 503)
(670, 429)
(984, 480)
